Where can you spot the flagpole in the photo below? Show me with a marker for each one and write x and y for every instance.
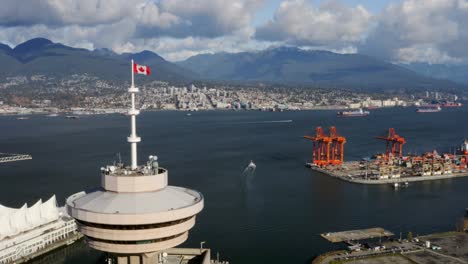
(133, 139)
(131, 70)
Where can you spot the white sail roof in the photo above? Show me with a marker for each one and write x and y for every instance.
(16, 220)
(49, 210)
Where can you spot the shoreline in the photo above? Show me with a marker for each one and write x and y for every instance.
(160, 110)
(103, 111)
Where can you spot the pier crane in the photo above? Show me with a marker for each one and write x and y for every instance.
(327, 150)
(395, 144)
(320, 147)
(337, 147)
(7, 157)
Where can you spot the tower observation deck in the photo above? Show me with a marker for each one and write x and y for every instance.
(134, 216)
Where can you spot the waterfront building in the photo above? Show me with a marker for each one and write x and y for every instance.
(135, 216)
(354, 105)
(27, 232)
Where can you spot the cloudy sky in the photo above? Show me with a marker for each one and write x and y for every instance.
(433, 31)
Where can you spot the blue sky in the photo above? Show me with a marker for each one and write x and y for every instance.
(431, 31)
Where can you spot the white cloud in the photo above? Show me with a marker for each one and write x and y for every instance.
(178, 18)
(407, 31)
(212, 18)
(330, 24)
(150, 15)
(421, 30)
(174, 28)
(175, 49)
(424, 53)
(64, 12)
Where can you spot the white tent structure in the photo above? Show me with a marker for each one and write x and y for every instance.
(16, 220)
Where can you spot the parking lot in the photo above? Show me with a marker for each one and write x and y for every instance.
(453, 250)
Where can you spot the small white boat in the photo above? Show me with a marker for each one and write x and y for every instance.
(189, 114)
(396, 185)
(250, 168)
(23, 118)
(252, 165)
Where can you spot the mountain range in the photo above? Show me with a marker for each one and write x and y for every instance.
(283, 65)
(42, 56)
(454, 72)
(290, 65)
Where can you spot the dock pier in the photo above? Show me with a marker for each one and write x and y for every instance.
(350, 172)
(6, 157)
(58, 244)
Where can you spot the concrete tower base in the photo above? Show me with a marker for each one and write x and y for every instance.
(148, 258)
(173, 255)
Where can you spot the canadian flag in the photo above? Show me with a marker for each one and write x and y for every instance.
(141, 69)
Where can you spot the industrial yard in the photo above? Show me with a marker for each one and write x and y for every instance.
(353, 172)
(391, 166)
(449, 247)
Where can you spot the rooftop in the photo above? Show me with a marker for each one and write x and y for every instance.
(102, 201)
(121, 170)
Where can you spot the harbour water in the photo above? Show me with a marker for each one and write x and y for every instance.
(273, 216)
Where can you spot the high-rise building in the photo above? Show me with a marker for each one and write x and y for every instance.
(134, 216)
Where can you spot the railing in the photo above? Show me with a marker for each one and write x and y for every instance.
(5, 157)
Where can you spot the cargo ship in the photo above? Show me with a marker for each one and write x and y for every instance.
(28, 232)
(353, 113)
(429, 109)
(451, 104)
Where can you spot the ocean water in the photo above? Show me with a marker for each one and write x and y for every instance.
(274, 215)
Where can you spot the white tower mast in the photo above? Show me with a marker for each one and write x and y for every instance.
(133, 139)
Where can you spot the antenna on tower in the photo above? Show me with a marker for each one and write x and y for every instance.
(119, 163)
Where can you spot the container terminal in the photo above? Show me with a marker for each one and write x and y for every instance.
(377, 245)
(389, 167)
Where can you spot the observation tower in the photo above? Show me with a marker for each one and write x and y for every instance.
(134, 216)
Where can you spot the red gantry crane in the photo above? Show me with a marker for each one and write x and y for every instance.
(337, 147)
(394, 144)
(320, 147)
(327, 150)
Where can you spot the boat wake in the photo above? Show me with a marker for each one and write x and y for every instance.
(268, 122)
(247, 176)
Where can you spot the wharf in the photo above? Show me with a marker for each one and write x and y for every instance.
(351, 172)
(6, 157)
(360, 234)
(58, 244)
